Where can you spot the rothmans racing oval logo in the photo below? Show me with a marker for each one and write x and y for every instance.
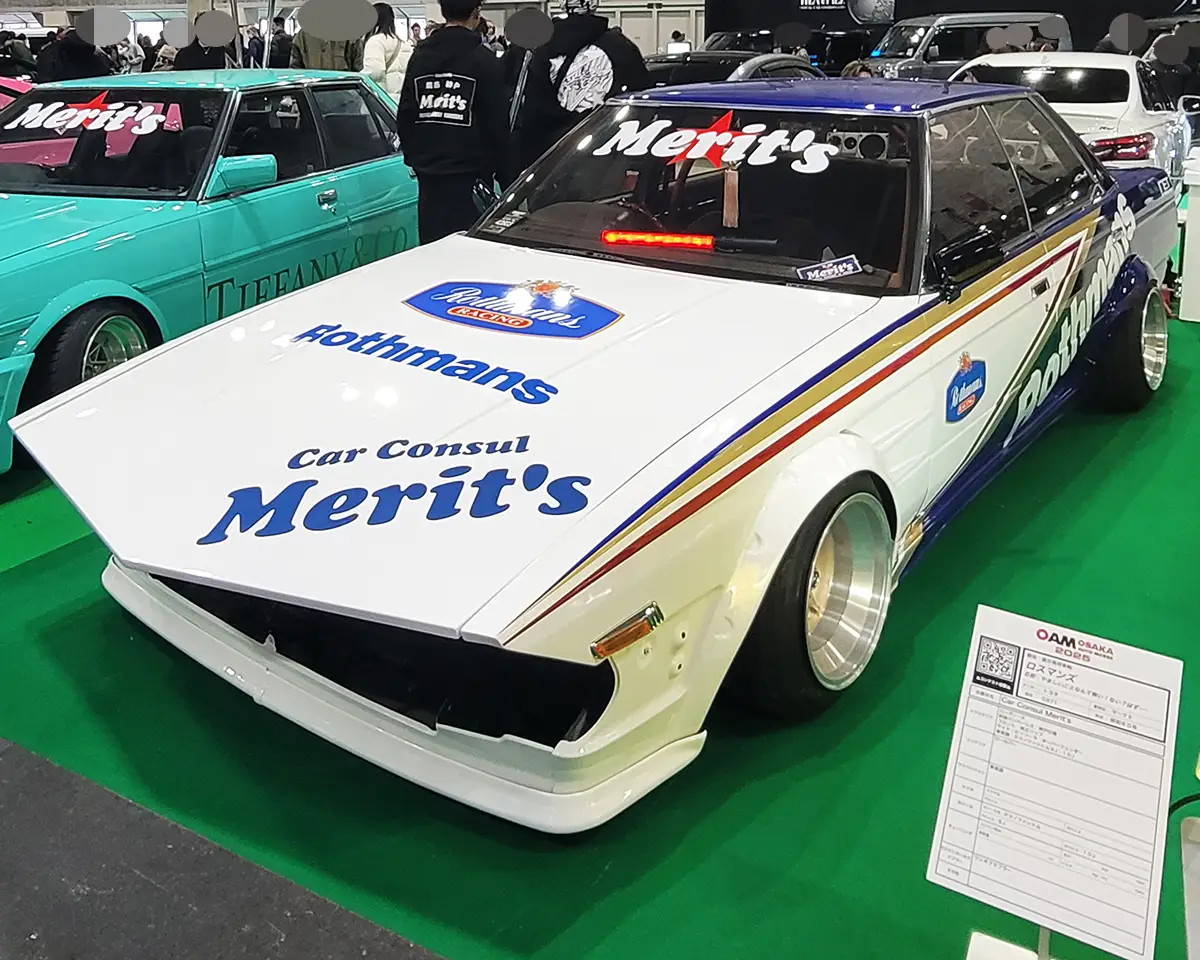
(539, 308)
(962, 396)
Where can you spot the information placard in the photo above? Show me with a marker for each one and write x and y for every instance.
(1054, 806)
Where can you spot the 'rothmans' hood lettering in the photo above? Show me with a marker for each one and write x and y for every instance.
(540, 308)
(719, 144)
(394, 347)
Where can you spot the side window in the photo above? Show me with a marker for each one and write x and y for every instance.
(1154, 97)
(354, 131)
(952, 44)
(1054, 179)
(972, 187)
(279, 124)
(782, 71)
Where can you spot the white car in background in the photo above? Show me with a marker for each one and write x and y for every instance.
(1115, 103)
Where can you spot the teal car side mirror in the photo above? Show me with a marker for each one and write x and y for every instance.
(237, 174)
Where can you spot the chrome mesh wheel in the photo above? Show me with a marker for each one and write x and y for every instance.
(116, 340)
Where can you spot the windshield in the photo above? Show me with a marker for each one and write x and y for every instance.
(126, 143)
(781, 196)
(758, 41)
(1062, 84)
(900, 41)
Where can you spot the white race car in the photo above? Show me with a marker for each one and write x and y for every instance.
(502, 514)
(1116, 103)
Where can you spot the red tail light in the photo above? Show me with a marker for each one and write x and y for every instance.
(1138, 147)
(695, 241)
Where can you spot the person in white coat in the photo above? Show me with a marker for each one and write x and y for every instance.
(386, 55)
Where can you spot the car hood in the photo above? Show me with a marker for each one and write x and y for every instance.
(299, 452)
(31, 223)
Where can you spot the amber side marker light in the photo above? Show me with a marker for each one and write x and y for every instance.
(640, 625)
(629, 238)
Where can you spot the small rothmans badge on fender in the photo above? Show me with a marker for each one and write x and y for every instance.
(965, 390)
(539, 308)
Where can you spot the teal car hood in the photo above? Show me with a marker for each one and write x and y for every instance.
(57, 225)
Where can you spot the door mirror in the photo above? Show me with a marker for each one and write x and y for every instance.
(1189, 104)
(238, 174)
(932, 52)
(965, 260)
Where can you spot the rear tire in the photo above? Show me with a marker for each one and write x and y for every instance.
(821, 617)
(1135, 358)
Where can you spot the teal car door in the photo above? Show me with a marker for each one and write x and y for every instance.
(361, 143)
(263, 242)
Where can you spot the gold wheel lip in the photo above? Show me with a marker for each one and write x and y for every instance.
(854, 650)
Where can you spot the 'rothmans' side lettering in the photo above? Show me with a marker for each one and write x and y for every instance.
(394, 347)
(1078, 317)
(249, 508)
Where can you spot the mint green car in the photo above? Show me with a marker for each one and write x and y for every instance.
(134, 209)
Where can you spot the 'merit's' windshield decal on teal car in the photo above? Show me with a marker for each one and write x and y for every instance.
(540, 308)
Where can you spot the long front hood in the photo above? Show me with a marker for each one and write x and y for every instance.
(344, 449)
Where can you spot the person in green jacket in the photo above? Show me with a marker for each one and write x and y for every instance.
(313, 53)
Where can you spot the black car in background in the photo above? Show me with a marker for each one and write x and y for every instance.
(713, 66)
(829, 50)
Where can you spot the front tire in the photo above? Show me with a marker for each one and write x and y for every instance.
(1135, 359)
(91, 341)
(821, 617)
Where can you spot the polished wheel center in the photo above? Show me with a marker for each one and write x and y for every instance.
(1154, 340)
(115, 341)
(848, 589)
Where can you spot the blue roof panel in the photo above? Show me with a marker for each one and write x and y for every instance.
(895, 96)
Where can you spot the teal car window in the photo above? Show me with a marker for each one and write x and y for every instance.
(281, 125)
(355, 133)
(95, 142)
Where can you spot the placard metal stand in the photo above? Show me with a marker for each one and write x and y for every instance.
(983, 947)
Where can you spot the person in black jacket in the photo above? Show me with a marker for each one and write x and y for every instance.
(279, 54)
(71, 58)
(584, 64)
(453, 121)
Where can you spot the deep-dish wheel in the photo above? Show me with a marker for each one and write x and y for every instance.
(819, 623)
(1135, 359)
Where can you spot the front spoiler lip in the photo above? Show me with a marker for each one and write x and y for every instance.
(516, 780)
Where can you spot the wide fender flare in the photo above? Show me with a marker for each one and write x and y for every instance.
(799, 487)
(78, 296)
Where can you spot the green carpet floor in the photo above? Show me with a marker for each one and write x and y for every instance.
(806, 843)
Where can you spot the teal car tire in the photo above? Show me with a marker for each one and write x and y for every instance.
(92, 340)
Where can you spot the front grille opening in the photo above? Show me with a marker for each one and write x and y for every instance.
(433, 680)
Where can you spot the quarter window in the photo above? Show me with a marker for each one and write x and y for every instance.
(1054, 179)
(355, 133)
(1154, 96)
(973, 188)
(279, 124)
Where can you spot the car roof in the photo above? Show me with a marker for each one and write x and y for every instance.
(1005, 19)
(201, 79)
(896, 96)
(702, 55)
(1094, 61)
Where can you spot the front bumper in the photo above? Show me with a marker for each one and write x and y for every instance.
(13, 372)
(515, 779)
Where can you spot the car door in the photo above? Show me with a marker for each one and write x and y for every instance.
(973, 188)
(948, 49)
(262, 243)
(379, 191)
(1065, 200)
(1164, 119)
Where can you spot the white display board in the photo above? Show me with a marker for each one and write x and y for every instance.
(1054, 806)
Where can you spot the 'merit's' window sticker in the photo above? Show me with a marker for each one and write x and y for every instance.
(59, 116)
(719, 144)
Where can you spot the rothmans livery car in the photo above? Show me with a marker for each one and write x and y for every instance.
(504, 513)
(134, 209)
